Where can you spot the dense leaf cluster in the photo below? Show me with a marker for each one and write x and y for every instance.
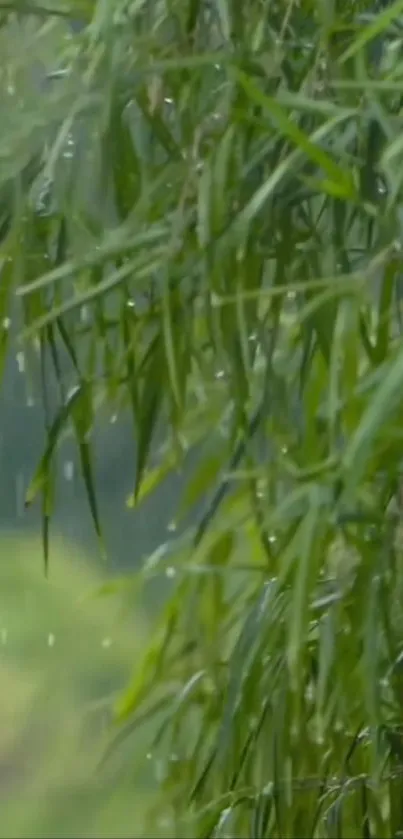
(202, 221)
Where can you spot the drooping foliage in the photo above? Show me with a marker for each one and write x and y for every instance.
(202, 223)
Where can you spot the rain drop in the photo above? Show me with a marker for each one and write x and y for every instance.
(51, 639)
(68, 470)
(69, 148)
(72, 392)
(223, 818)
(164, 822)
(4, 634)
(6, 323)
(220, 374)
(171, 527)
(170, 572)
(20, 359)
(106, 643)
(58, 74)
(309, 692)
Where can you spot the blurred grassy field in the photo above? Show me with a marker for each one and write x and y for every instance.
(63, 657)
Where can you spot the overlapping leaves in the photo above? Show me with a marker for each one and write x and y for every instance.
(223, 202)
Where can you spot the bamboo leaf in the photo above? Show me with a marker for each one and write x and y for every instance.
(385, 401)
(41, 475)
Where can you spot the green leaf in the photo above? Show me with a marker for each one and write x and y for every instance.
(370, 32)
(152, 478)
(202, 481)
(306, 566)
(64, 415)
(151, 398)
(126, 164)
(385, 401)
(342, 181)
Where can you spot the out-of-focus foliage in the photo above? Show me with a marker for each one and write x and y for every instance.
(202, 222)
(64, 655)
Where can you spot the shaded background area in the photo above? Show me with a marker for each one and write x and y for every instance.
(129, 534)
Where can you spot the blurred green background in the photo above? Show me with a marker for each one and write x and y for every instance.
(65, 652)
